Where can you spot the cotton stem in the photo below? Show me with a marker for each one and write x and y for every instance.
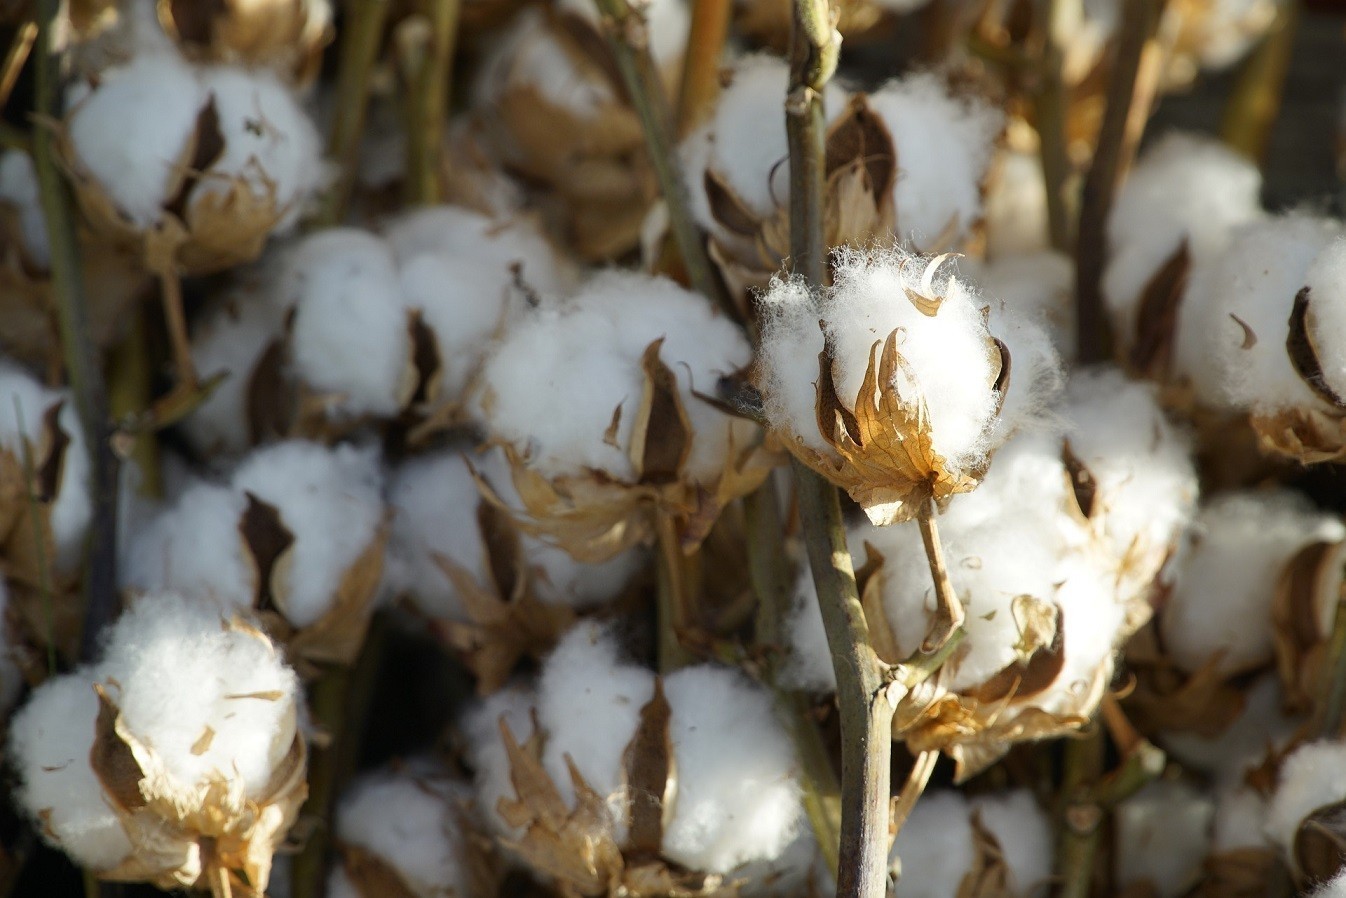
(673, 598)
(629, 40)
(1131, 93)
(1255, 102)
(427, 60)
(1081, 823)
(1051, 105)
(1330, 704)
(701, 67)
(82, 364)
(949, 612)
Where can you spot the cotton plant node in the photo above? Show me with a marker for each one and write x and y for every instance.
(285, 35)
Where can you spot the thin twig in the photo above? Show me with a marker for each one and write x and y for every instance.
(629, 40)
(1051, 103)
(361, 40)
(701, 67)
(16, 58)
(1131, 92)
(429, 66)
(1255, 101)
(901, 806)
(672, 597)
(45, 587)
(949, 612)
(81, 358)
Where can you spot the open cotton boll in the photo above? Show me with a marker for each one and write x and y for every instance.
(584, 354)
(1038, 287)
(1024, 833)
(131, 132)
(270, 144)
(934, 848)
(49, 742)
(943, 145)
(494, 244)
(1037, 376)
(1223, 589)
(18, 188)
(1094, 619)
(1311, 777)
(1185, 189)
(214, 702)
(231, 338)
(410, 819)
(1163, 833)
(737, 797)
(788, 317)
(558, 579)
(330, 499)
(1262, 728)
(192, 546)
(1254, 286)
(348, 304)
(24, 405)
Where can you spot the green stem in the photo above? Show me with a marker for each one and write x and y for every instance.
(1051, 103)
(430, 66)
(1081, 823)
(630, 47)
(81, 357)
(672, 595)
(701, 68)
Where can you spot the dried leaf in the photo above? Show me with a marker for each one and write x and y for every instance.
(1320, 843)
(650, 777)
(1304, 355)
(727, 209)
(859, 140)
(1083, 486)
(266, 540)
(661, 435)
(1157, 315)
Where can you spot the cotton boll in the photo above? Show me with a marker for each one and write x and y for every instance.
(934, 847)
(528, 56)
(1185, 189)
(943, 145)
(584, 354)
(1239, 813)
(666, 22)
(132, 131)
(1326, 317)
(411, 820)
(1024, 833)
(24, 405)
(270, 144)
(737, 798)
(1311, 777)
(49, 744)
(559, 579)
(192, 546)
(788, 316)
(330, 500)
(1223, 590)
(1260, 729)
(1037, 377)
(176, 671)
(231, 338)
(491, 243)
(1094, 619)
(348, 304)
(1163, 834)
(1038, 287)
(18, 188)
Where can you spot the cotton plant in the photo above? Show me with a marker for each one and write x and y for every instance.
(553, 105)
(604, 777)
(494, 593)
(175, 759)
(297, 535)
(630, 359)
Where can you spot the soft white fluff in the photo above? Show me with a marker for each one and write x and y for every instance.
(737, 798)
(514, 705)
(1332, 888)
(1223, 589)
(529, 57)
(410, 819)
(1311, 777)
(583, 354)
(174, 669)
(1015, 207)
(1162, 836)
(1024, 833)
(330, 499)
(348, 305)
(1038, 286)
(1239, 813)
(133, 130)
(49, 742)
(18, 188)
(934, 849)
(943, 144)
(24, 404)
(808, 664)
(1185, 189)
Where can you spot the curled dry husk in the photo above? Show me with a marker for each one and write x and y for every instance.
(506, 620)
(860, 167)
(334, 638)
(198, 232)
(1238, 873)
(595, 516)
(1320, 845)
(577, 847)
(194, 835)
(1166, 698)
(595, 164)
(882, 450)
(287, 35)
(1310, 584)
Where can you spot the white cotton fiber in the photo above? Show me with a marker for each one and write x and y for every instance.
(943, 145)
(1015, 207)
(1185, 188)
(934, 847)
(1239, 813)
(346, 293)
(486, 750)
(18, 188)
(808, 662)
(269, 141)
(176, 670)
(1332, 888)
(666, 24)
(1093, 615)
(1162, 836)
(1311, 777)
(737, 797)
(529, 57)
(330, 499)
(1224, 586)
(495, 244)
(1024, 833)
(1037, 287)
(410, 819)
(49, 742)
(230, 338)
(24, 404)
(134, 128)
(584, 353)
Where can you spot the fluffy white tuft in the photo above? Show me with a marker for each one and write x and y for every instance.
(1311, 777)
(1163, 835)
